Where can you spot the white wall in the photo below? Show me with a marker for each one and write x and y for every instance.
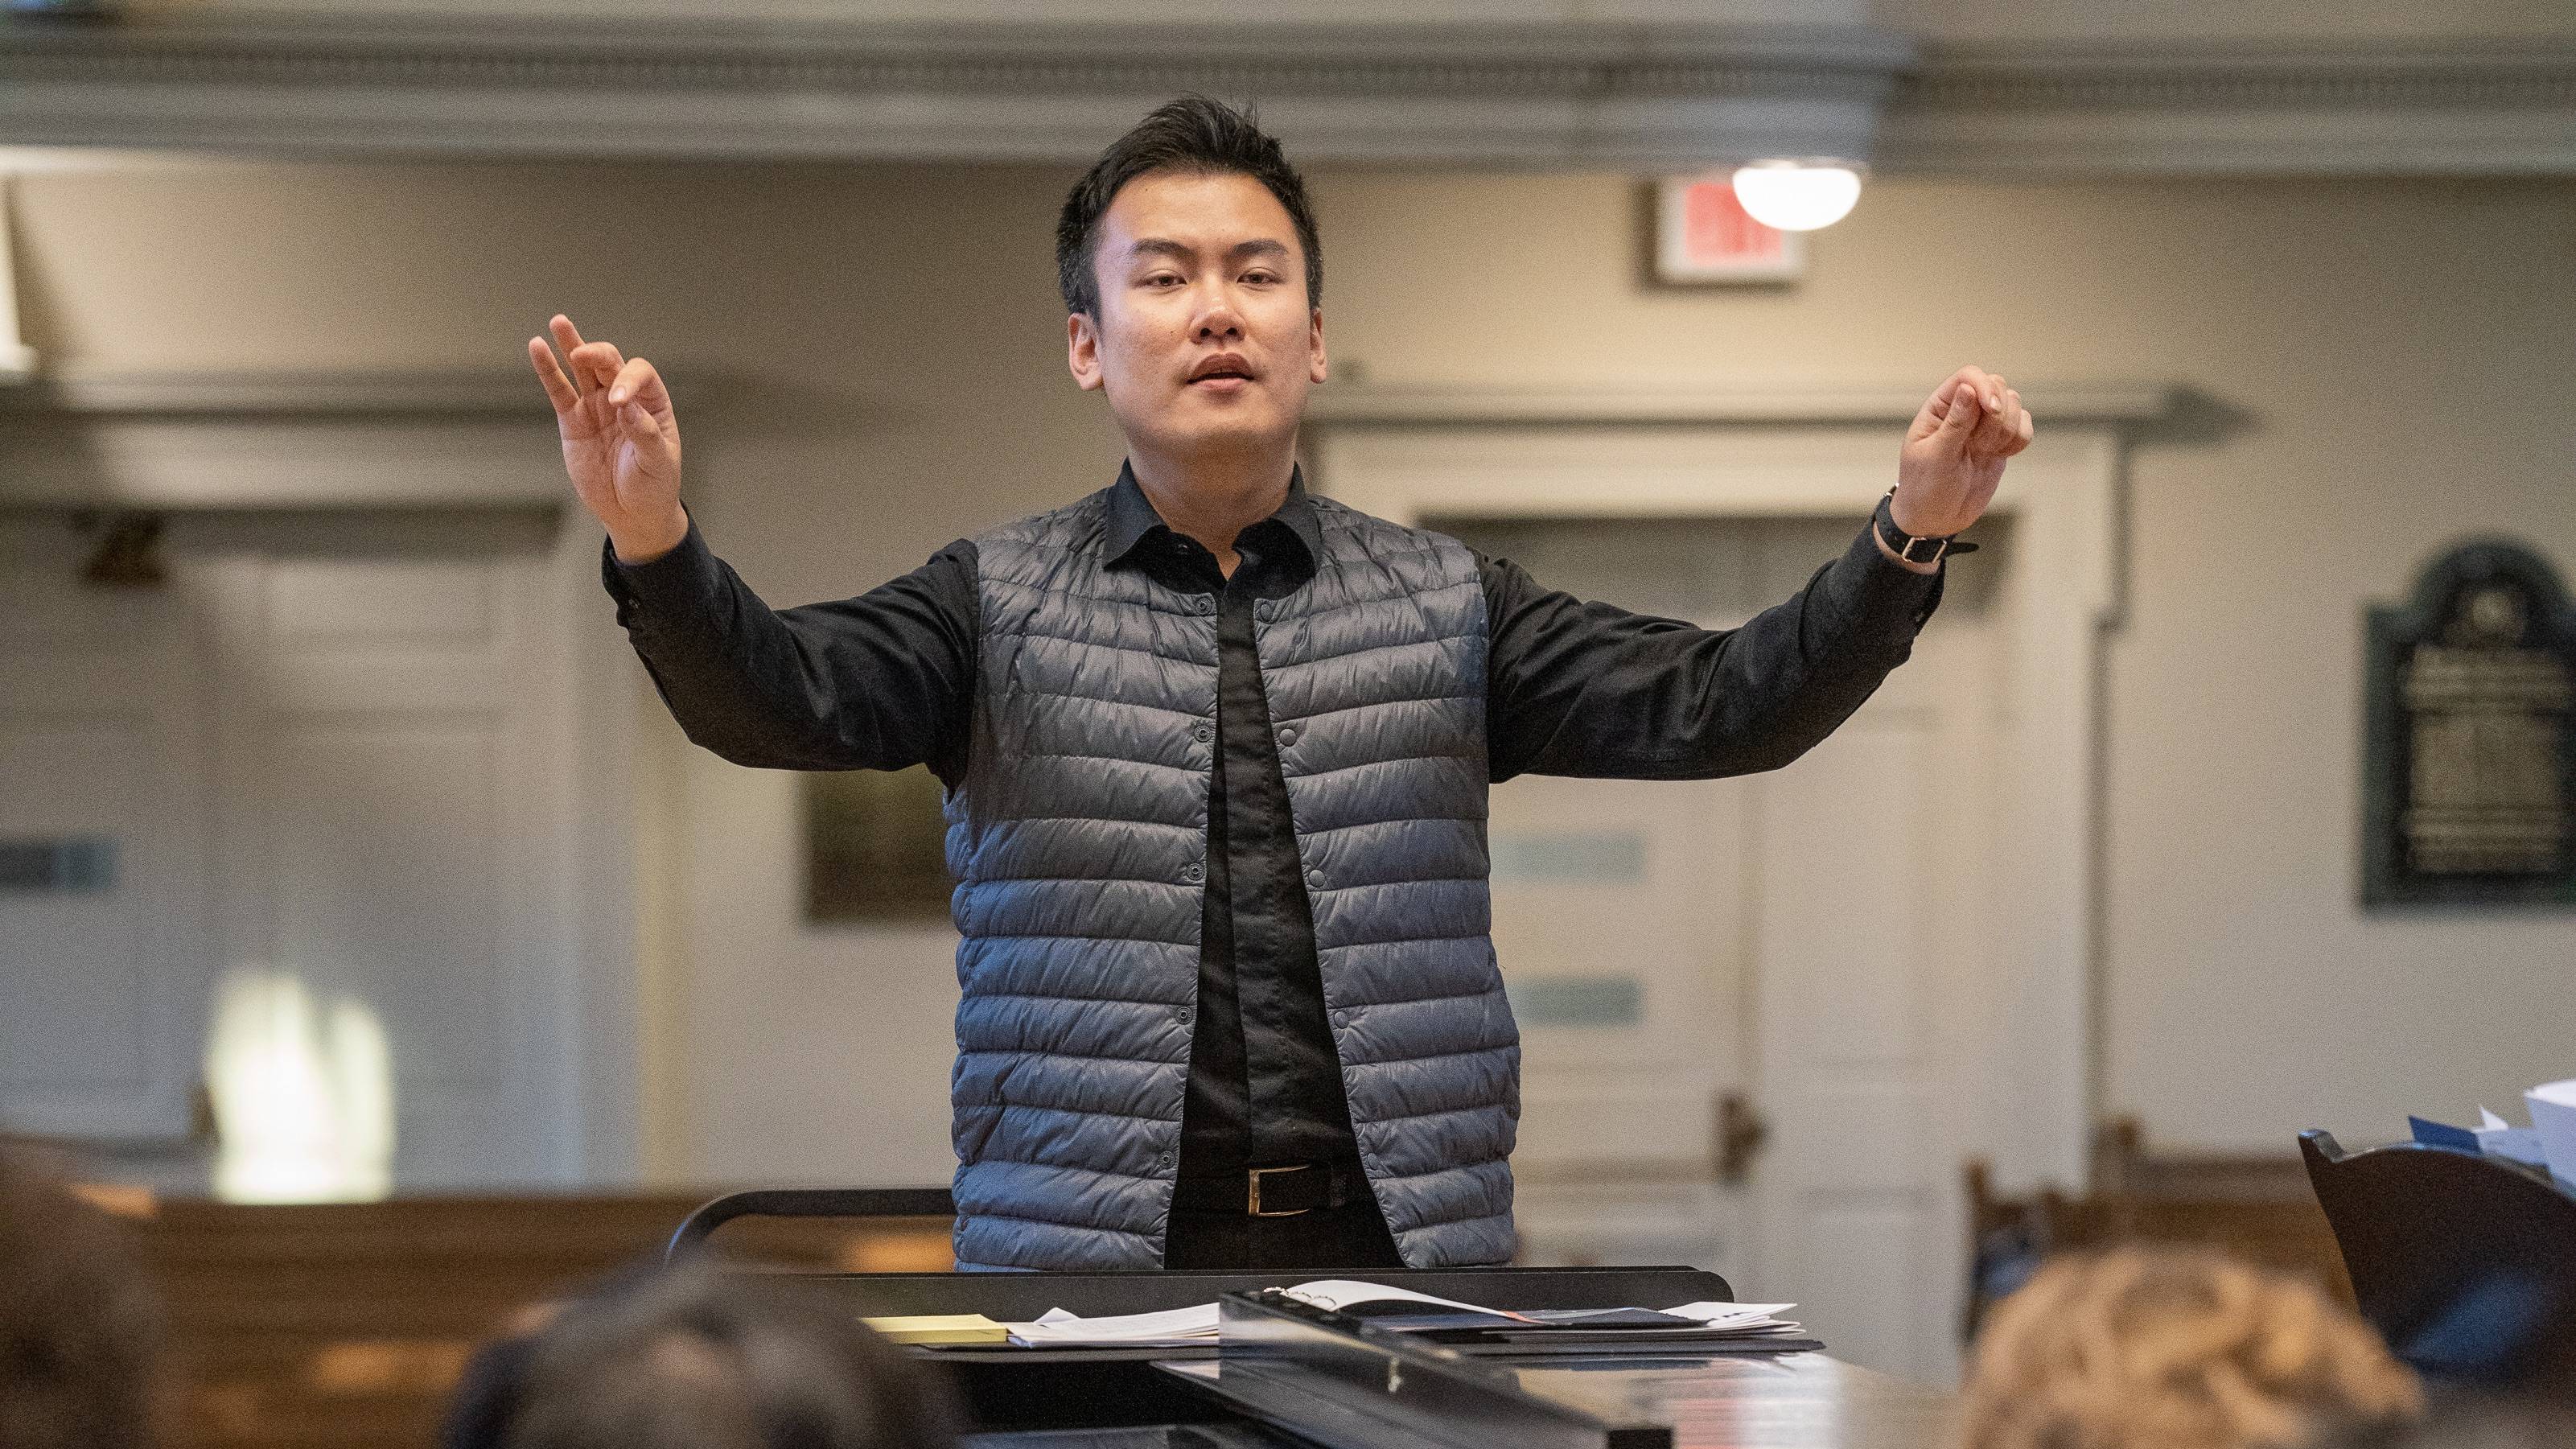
(892, 344)
(2399, 358)
(2394, 359)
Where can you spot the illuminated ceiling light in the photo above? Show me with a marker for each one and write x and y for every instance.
(1797, 195)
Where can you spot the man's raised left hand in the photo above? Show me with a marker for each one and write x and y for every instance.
(1954, 453)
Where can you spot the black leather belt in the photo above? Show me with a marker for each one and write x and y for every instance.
(1273, 1192)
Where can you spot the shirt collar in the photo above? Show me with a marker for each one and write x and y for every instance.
(1132, 515)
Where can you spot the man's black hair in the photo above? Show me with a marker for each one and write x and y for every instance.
(1192, 134)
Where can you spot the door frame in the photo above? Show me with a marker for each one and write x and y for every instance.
(2030, 1086)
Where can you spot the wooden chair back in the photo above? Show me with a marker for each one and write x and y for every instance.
(2254, 1206)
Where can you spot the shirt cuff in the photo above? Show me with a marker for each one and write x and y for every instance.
(1881, 597)
(675, 583)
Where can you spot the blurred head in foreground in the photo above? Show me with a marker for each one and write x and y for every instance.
(80, 1327)
(694, 1359)
(2173, 1349)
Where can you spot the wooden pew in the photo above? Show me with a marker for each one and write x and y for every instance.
(318, 1327)
(2255, 1206)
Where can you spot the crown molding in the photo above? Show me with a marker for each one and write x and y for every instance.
(1343, 405)
(1634, 96)
(2482, 108)
(425, 393)
(473, 439)
(405, 394)
(509, 394)
(1637, 95)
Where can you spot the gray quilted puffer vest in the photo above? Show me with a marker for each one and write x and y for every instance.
(1079, 840)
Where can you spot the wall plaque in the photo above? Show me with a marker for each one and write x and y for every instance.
(875, 847)
(2469, 760)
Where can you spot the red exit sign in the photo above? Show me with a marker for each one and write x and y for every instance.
(1703, 234)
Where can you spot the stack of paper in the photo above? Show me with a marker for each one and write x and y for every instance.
(1691, 1325)
(939, 1328)
(1404, 1309)
(2553, 1118)
(1171, 1328)
(1748, 1319)
(2498, 1138)
(2548, 1143)
(1342, 1295)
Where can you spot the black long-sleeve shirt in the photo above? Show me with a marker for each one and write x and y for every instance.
(884, 681)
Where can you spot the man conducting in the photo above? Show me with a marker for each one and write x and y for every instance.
(1217, 750)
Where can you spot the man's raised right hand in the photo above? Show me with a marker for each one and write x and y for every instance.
(621, 443)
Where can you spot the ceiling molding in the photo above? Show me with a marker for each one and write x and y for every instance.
(1635, 95)
(1625, 96)
(463, 393)
(2459, 109)
(1348, 405)
(415, 394)
(511, 395)
(475, 439)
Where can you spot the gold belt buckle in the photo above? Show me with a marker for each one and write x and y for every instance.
(1254, 1175)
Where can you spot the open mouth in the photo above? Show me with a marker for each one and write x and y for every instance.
(1224, 371)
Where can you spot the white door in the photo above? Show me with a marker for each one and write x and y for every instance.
(1778, 939)
(1622, 965)
(104, 800)
(331, 749)
(382, 765)
(1867, 902)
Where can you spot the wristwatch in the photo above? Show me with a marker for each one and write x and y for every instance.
(1913, 548)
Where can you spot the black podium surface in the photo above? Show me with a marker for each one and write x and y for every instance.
(1141, 1398)
(1085, 1388)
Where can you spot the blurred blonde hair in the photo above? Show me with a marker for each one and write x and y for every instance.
(2176, 1349)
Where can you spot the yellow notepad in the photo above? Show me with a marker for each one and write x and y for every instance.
(941, 1328)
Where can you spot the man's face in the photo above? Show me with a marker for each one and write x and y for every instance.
(1203, 341)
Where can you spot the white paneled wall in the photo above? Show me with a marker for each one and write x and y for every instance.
(382, 758)
(343, 761)
(102, 736)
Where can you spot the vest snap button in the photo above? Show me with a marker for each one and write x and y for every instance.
(1193, 872)
(1315, 878)
(1288, 735)
(1203, 733)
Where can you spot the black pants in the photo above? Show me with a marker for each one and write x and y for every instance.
(1338, 1239)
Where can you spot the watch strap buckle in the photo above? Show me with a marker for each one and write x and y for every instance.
(1935, 546)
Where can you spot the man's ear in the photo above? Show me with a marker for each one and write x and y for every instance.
(1082, 349)
(1315, 344)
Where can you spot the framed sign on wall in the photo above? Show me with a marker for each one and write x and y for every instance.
(1703, 235)
(875, 847)
(2469, 755)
